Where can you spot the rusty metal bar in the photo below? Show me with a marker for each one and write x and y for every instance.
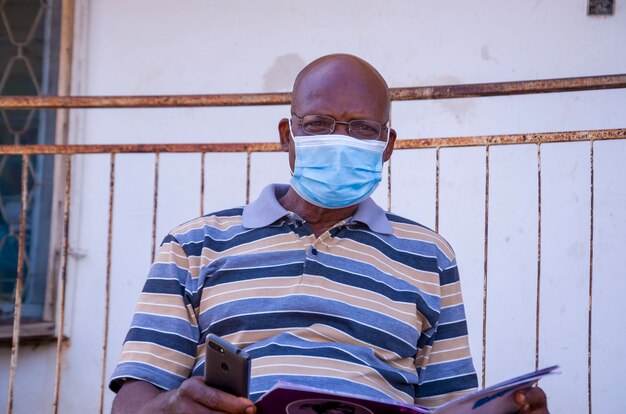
(19, 284)
(589, 327)
(107, 289)
(437, 171)
(62, 282)
(284, 98)
(419, 143)
(66, 47)
(536, 138)
(139, 148)
(155, 202)
(586, 83)
(147, 101)
(247, 177)
(203, 155)
(486, 255)
(538, 306)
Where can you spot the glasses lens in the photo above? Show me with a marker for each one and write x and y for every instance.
(363, 129)
(318, 124)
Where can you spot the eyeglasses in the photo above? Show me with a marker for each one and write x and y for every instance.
(324, 124)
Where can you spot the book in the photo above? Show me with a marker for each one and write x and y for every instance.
(289, 398)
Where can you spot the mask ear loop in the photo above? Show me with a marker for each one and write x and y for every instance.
(388, 128)
(386, 141)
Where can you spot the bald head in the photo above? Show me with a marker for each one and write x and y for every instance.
(353, 88)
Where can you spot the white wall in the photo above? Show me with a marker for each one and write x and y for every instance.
(164, 47)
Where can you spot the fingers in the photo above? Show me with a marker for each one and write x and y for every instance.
(532, 400)
(194, 389)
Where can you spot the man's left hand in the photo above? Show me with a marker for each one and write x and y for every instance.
(532, 400)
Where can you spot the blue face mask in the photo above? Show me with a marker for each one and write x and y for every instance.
(334, 171)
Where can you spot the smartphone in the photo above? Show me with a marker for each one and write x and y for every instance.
(226, 367)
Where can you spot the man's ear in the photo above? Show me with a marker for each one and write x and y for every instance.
(284, 134)
(390, 143)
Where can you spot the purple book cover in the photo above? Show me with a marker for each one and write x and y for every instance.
(288, 398)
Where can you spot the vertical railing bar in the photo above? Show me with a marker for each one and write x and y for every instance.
(155, 203)
(389, 185)
(62, 282)
(202, 155)
(247, 177)
(19, 286)
(486, 253)
(107, 290)
(437, 190)
(538, 308)
(591, 220)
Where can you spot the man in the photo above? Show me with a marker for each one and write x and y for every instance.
(317, 283)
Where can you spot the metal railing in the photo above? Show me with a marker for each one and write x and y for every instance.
(398, 94)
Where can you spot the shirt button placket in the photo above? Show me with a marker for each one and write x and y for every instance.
(311, 253)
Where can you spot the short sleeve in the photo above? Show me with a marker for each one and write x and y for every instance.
(161, 344)
(444, 363)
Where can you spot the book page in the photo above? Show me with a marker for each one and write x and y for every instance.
(497, 398)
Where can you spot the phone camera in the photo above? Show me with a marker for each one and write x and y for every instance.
(216, 347)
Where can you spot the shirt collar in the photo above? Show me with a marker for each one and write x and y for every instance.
(266, 209)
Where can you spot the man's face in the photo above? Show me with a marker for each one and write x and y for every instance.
(343, 88)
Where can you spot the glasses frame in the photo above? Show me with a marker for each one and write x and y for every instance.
(348, 123)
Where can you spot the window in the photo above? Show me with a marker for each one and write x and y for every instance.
(29, 54)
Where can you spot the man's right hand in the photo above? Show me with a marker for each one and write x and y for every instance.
(193, 396)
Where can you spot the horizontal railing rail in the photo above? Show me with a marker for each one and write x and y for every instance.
(418, 143)
(284, 98)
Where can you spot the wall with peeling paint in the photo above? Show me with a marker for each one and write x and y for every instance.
(201, 47)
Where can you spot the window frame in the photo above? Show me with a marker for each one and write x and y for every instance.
(45, 329)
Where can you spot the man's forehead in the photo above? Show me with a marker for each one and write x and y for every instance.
(342, 78)
(340, 68)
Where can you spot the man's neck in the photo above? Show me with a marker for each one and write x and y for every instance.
(320, 219)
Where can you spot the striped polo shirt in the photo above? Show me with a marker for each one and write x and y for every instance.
(373, 306)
